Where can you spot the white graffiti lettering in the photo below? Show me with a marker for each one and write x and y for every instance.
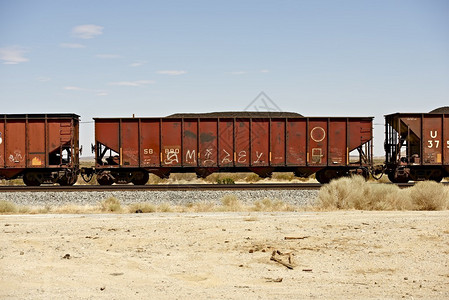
(208, 156)
(242, 156)
(190, 156)
(226, 159)
(171, 156)
(16, 158)
(258, 155)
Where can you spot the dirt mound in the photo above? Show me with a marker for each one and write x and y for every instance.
(441, 110)
(237, 114)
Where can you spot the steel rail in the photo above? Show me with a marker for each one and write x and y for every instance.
(172, 187)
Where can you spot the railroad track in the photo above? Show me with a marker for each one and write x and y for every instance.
(171, 187)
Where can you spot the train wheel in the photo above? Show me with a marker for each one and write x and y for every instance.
(104, 179)
(31, 179)
(321, 177)
(397, 179)
(140, 178)
(436, 178)
(67, 181)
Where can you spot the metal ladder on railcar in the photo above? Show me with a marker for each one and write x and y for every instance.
(65, 136)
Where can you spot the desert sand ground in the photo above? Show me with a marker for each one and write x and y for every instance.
(333, 255)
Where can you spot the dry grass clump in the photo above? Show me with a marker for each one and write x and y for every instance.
(429, 195)
(7, 207)
(141, 208)
(284, 176)
(356, 193)
(270, 205)
(252, 178)
(11, 182)
(231, 203)
(111, 204)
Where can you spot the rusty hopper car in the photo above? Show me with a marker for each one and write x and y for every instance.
(416, 146)
(128, 149)
(40, 148)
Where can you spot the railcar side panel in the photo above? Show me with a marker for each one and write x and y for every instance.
(277, 142)
(242, 143)
(260, 133)
(36, 133)
(432, 139)
(226, 142)
(171, 142)
(317, 152)
(446, 140)
(360, 132)
(337, 143)
(150, 143)
(107, 133)
(15, 144)
(129, 143)
(296, 142)
(208, 143)
(2, 144)
(190, 143)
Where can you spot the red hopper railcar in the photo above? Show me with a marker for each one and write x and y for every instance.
(128, 149)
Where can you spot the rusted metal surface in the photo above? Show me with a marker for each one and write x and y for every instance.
(417, 146)
(38, 144)
(232, 144)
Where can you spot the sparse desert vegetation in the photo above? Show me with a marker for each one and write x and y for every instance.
(356, 193)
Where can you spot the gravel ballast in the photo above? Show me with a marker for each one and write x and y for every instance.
(292, 197)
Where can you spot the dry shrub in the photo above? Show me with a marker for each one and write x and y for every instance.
(429, 195)
(356, 193)
(154, 179)
(74, 209)
(344, 193)
(7, 207)
(388, 197)
(199, 207)
(270, 205)
(252, 178)
(283, 176)
(11, 182)
(231, 203)
(111, 204)
(165, 207)
(141, 207)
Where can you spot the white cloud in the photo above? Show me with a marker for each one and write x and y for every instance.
(108, 56)
(264, 71)
(13, 55)
(239, 72)
(73, 88)
(138, 64)
(43, 79)
(133, 83)
(71, 46)
(100, 93)
(87, 31)
(172, 72)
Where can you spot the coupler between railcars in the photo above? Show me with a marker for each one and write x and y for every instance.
(109, 177)
(325, 175)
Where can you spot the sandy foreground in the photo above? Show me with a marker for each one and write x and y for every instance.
(334, 255)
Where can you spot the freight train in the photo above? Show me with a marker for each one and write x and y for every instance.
(44, 148)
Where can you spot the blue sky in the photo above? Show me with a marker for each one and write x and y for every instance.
(154, 58)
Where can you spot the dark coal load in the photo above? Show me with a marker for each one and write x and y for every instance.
(441, 110)
(238, 114)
